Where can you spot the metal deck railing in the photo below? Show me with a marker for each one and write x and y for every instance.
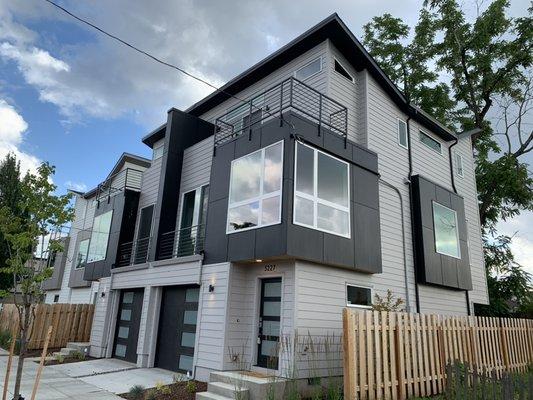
(290, 94)
(128, 178)
(181, 243)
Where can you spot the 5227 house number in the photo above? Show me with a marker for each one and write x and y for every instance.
(270, 267)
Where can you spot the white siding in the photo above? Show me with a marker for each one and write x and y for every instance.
(101, 319)
(318, 81)
(211, 317)
(49, 296)
(243, 300)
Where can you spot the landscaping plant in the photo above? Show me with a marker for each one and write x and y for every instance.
(136, 392)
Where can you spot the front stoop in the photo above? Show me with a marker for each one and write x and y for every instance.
(234, 385)
(72, 348)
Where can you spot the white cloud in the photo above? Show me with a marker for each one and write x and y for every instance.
(77, 186)
(521, 228)
(12, 129)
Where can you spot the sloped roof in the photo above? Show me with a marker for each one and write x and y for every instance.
(335, 29)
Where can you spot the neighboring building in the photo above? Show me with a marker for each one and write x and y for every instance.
(68, 283)
(263, 218)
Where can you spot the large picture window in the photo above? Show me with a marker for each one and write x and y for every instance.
(321, 194)
(446, 231)
(100, 237)
(255, 189)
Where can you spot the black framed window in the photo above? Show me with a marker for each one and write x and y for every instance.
(357, 296)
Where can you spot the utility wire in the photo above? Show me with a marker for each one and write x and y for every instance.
(158, 60)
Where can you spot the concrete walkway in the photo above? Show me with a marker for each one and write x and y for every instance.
(95, 379)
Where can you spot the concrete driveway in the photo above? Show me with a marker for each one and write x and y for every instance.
(95, 379)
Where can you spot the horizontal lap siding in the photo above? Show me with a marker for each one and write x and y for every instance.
(99, 318)
(243, 307)
(174, 274)
(212, 316)
(318, 81)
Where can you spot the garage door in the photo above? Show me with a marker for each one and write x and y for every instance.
(177, 328)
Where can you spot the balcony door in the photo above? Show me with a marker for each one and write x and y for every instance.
(143, 234)
(192, 221)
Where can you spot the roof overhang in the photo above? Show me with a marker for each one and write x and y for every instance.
(154, 136)
(332, 28)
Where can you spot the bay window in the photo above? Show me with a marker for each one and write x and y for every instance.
(446, 231)
(321, 191)
(255, 189)
(100, 237)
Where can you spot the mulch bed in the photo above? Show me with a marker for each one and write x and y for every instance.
(177, 391)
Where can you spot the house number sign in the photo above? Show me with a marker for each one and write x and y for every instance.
(270, 267)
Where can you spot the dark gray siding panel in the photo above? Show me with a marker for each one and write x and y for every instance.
(286, 239)
(54, 282)
(434, 268)
(76, 274)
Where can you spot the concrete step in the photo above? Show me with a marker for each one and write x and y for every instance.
(229, 390)
(211, 396)
(79, 346)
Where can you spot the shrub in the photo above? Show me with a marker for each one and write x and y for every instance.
(60, 358)
(136, 392)
(191, 386)
(150, 395)
(78, 355)
(161, 388)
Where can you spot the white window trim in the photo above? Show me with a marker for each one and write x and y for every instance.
(406, 134)
(433, 202)
(307, 64)
(351, 79)
(358, 286)
(314, 198)
(459, 171)
(428, 146)
(261, 195)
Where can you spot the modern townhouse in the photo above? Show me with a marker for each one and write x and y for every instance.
(305, 185)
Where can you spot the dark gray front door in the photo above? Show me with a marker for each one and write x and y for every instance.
(127, 329)
(269, 323)
(177, 328)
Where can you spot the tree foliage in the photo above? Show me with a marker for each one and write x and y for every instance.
(25, 226)
(473, 73)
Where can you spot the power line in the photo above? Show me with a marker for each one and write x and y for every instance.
(158, 60)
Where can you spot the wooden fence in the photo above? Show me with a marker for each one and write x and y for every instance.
(400, 355)
(70, 323)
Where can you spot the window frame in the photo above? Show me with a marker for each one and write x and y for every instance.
(108, 235)
(319, 58)
(422, 133)
(78, 252)
(406, 146)
(458, 256)
(261, 196)
(460, 171)
(314, 198)
(360, 306)
(162, 147)
(351, 78)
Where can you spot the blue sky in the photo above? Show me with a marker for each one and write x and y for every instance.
(75, 98)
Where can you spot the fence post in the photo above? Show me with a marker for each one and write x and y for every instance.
(400, 357)
(350, 364)
(503, 343)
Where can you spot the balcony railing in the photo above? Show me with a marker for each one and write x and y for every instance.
(181, 243)
(128, 178)
(291, 94)
(133, 252)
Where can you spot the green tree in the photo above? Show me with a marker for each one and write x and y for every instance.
(10, 196)
(41, 213)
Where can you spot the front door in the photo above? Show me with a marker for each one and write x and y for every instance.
(269, 323)
(177, 328)
(128, 320)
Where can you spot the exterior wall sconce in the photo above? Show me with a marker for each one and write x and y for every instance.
(211, 288)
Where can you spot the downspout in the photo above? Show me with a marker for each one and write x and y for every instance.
(407, 305)
(410, 158)
(452, 176)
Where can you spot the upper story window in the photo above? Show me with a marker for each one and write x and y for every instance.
(459, 164)
(255, 189)
(430, 142)
(158, 152)
(446, 231)
(83, 251)
(357, 296)
(100, 237)
(342, 71)
(402, 134)
(321, 191)
(308, 70)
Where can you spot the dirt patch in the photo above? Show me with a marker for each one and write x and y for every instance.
(180, 390)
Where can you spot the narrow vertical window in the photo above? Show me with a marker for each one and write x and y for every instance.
(446, 231)
(100, 237)
(402, 134)
(459, 164)
(321, 194)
